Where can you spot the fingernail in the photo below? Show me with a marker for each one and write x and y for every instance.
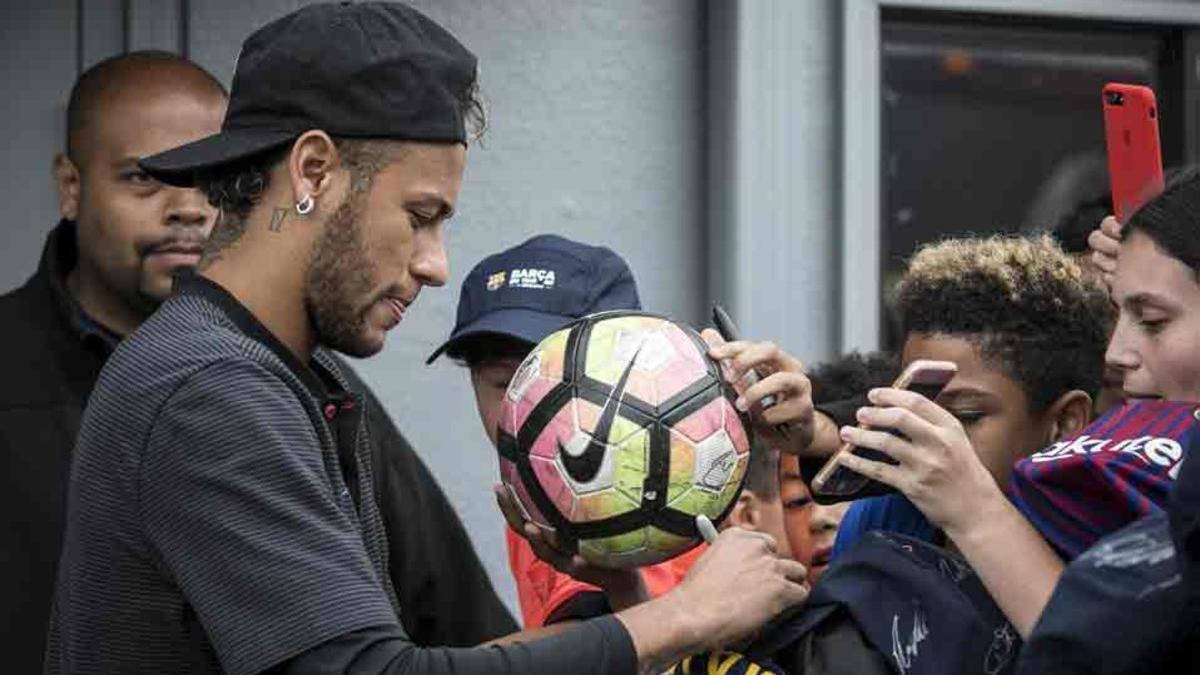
(872, 395)
(740, 404)
(845, 432)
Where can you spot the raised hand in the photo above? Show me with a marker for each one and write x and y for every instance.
(786, 425)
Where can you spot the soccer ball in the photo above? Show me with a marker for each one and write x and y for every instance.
(617, 431)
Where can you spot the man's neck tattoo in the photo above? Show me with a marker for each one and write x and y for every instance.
(277, 217)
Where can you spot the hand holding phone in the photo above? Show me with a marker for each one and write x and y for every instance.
(834, 482)
(1134, 156)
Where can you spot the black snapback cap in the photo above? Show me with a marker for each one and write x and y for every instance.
(360, 70)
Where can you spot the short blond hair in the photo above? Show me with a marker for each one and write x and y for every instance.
(1031, 308)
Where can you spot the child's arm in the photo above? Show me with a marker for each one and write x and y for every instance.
(1015, 563)
(941, 474)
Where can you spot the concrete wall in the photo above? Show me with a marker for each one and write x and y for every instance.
(35, 104)
(773, 188)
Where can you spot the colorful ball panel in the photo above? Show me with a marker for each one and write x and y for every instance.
(537, 375)
(667, 363)
(588, 416)
(644, 546)
(621, 460)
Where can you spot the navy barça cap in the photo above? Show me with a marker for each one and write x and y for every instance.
(531, 290)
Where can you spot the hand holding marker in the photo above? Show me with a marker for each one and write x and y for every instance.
(729, 332)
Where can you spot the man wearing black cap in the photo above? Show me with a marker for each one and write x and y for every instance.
(219, 514)
(105, 268)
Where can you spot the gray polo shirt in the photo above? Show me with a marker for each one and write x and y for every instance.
(215, 520)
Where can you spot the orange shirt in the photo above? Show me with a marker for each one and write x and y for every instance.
(541, 589)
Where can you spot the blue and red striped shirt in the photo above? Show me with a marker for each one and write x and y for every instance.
(1117, 470)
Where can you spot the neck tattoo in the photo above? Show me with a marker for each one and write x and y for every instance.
(277, 217)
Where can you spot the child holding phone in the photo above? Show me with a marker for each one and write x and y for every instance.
(1025, 379)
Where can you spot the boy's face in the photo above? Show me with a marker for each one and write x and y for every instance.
(993, 408)
(810, 527)
(759, 513)
(490, 380)
(797, 507)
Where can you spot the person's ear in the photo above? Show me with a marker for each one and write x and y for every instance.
(311, 166)
(66, 181)
(1068, 415)
(746, 513)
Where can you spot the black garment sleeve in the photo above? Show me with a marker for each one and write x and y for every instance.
(240, 511)
(601, 646)
(446, 598)
(583, 605)
(843, 412)
(836, 647)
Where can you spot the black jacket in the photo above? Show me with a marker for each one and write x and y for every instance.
(445, 596)
(50, 356)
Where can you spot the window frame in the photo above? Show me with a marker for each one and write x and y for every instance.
(859, 296)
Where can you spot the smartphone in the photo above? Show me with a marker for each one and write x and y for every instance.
(1134, 156)
(835, 482)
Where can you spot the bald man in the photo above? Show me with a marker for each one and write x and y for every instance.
(104, 268)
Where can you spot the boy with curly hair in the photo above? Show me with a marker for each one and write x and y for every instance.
(1027, 328)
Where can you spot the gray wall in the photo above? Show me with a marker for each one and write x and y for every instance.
(772, 162)
(35, 104)
(597, 132)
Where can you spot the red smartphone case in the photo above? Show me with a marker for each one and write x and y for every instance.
(1134, 156)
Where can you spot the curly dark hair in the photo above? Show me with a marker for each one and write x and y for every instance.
(1030, 308)
(852, 375)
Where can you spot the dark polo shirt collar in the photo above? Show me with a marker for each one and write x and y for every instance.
(322, 384)
(341, 408)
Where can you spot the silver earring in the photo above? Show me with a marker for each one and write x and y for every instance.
(305, 206)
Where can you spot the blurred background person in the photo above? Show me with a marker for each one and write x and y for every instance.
(105, 267)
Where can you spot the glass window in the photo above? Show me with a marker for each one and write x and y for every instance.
(995, 124)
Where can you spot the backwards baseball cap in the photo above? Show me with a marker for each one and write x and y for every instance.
(536, 288)
(361, 70)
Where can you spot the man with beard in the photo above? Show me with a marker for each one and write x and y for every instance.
(104, 268)
(220, 514)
